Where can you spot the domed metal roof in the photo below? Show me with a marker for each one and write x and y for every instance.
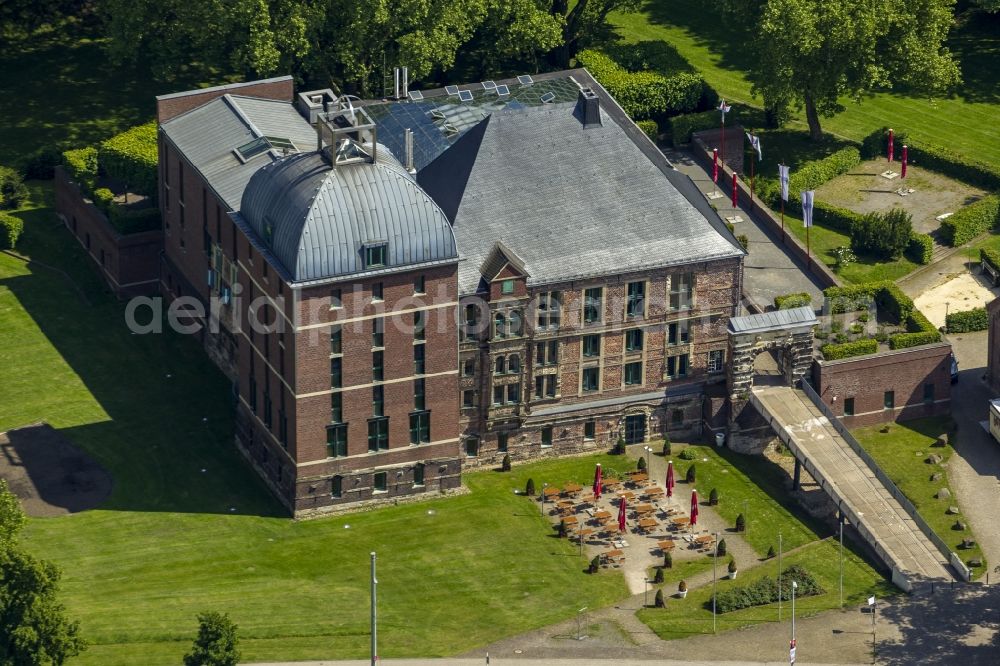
(317, 220)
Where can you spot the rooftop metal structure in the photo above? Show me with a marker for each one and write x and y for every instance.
(777, 320)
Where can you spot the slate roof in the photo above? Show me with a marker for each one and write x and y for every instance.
(631, 399)
(573, 203)
(321, 218)
(773, 321)
(208, 135)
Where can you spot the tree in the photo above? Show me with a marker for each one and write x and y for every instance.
(658, 600)
(666, 446)
(216, 644)
(641, 464)
(691, 474)
(741, 523)
(811, 53)
(529, 488)
(585, 18)
(668, 560)
(658, 577)
(713, 497)
(885, 235)
(505, 463)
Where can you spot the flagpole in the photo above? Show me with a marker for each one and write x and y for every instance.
(808, 254)
(782, 220)
(722, 153)
(752, 160)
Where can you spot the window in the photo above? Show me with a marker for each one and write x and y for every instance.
(336, 340)
(848, 406)
(635, 304)
(418, 359)
(378, 332)
(420, 427)
(592, 302)
(497, 395)
(633, 373)
(468, 398)
(514, 364)
(681, 291)
(267, 406)
(472, 447)
(928, 393)
(590, 378)
(591, 345)
(337, 486)
(378, 400)
(635, 429)
(377, 293)
(469, 368)
(889, 400)
(471, 315)
(419, 323)
(378, 369)
(253, 392)
(507, 287)
(633, 340)
(419, 285)
(499, 325)
(546, 437)
(336, 407)
(547, 353)
(589, 430)
(379, 482)
(548, 309)
(500, 365)
(419, 401)
(336, 440)
(502, 442)
(545, 386)
(715, 360)
(513, 393)
(418, 474)
(335, 300)
(375, 255)
(678, 333)
(677, 417)
(336, 373)
(378, 433)
(677, 366)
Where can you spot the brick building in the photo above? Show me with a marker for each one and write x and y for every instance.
(399, 288)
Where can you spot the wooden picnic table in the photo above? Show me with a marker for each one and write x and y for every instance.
(681, 522)
(572, 488)
(666, 545)
(647, 523)
(654, 492)
(627, 494)
(570, 520)
(550, 491)
(638, 477)
(565, 503)
(704, 539)
(613, 554)
(602, 515)
(611, 483)
(585, 532)
(644, 508)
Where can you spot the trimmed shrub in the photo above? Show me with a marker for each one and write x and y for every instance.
(131, 158)
(135, 221)
(732, 566)
(13, 191)
(641, 464)
(595, 565)
(688, 454)
(887, 295)
(505, 463)
(658, 577)
(991, 257)
(81, 166)
(11, 229)
(885, 235)
(920, 248)
(668, 560)
(659, 601)
(811, 175)
(713, 497)
(789, 301)
(650, 129)
(741, 523)
(681, 127)
(833, 351)
(965, 322)
(39, 165)
(619, 448)
(666, 446)
(720, 549)
(682, 586)
(770, 553)
(691, 474)
(971, 221)
(920, 331)
(744, 240)
(529, 488)
(764, 590)
(104, 199)
(644, 93)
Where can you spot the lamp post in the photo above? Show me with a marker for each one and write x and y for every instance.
(579, 618)
(794, 586)
(946, 305)
(374, 618)
(645, 593)
(544, 486)
(715, 561)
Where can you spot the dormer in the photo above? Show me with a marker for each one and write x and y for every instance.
(505, 273)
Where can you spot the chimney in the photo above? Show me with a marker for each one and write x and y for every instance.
(409, 152)
(406, 83)
(588, 107)
(395, 81)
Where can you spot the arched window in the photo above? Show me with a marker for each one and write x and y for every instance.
(500, 365)
(516, 324)
(514, 364)
(499, 326)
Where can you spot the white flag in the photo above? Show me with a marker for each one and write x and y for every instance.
(807, 207)
(871, 601)
(783, 177)
(724, 107)
(755, 144)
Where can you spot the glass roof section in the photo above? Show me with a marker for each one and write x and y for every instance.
(439, 119)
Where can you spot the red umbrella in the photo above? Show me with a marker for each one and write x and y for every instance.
(670, 478)
(715, 165)
(694, 507)
(735, 192)
(905, 155)
(597, 482)
(621, 515)
(891, 140)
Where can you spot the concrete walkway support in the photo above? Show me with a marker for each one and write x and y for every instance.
(872, 503)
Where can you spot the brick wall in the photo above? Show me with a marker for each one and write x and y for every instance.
(904, 372)
(168, 106)
(993, 346)
(129, 263)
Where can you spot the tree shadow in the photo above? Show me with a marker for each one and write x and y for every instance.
(975, 41)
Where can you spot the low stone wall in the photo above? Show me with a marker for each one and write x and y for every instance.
(130, 263)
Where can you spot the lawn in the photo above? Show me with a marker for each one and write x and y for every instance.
(174, 540)
(964, 123)
(901, 453)
(693, 615)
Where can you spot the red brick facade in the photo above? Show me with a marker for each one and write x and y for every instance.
(993, 346)
(856, 389)
(168, 106)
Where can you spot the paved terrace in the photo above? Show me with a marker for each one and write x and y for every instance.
(847, 478)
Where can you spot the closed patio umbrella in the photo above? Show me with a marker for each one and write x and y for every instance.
(597, 482)
(694, 507)
(621, 515)
(670, 478)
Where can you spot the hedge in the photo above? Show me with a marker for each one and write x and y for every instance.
(886, 294)
(971, 221)
(134, 221)
(833, 352)
(681, 127)
(764, 590)
(885, 235)
(131, 158)
(810, 176)
(991, 257)
(11, 229)
(920, 331)
(934, 158)
(13, 191)
(81, 166)
(642, 94)
(104, 199)
(650, 129)
(789, 301)
(968, 321)
(39, 164)
(920, 248)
